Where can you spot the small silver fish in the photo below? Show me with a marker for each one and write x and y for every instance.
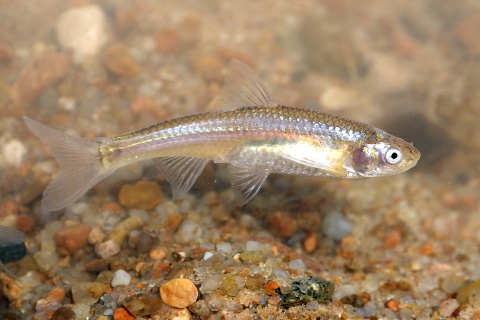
(12, 247)
(254, 135)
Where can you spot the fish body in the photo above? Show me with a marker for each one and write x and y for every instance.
(12, 247)
(253, 134)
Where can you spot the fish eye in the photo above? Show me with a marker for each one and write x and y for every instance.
(393, 156)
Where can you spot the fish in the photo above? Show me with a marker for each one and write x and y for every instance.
(247, 130)
(12, 247)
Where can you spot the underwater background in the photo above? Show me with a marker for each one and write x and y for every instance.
(398, 247)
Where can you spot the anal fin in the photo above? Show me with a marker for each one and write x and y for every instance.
(246, 181)
(181, 172)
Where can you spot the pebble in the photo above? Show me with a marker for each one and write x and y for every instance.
(179, 314)
(119, 61)
(25, 222)
(144, 195)
(45, 261)
(310, 242)
(167, 40)
(282, 224)
(63, 313)
(34, 188)
(392, 304)
(452, 283)
(207, 255)
(224, 247)
(45, 309)
(120, 232)
(82, 310)
(96, 265)
(38, 75)
(254, 282)
(96, 235)
(335, 226)
(13, 152)
(173, 221)
(188, 231)
(121, 278)
(11, 288)
(253, 246)
(70, 239)
(159, 267)
(343, 291)
(369, 309)
(215, 301)
(447, 307)
(157, 254)
(81, 292)
(8, 207)
(297, 264)
(56, 295)
(467, 291)
(122, 314)
(179, 293)
(306, 290)
(312, 305)
(107, 249)
(84, 29)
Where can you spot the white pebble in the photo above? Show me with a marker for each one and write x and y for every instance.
(253, 246)
(297, 264)
(13, 152)
(107, 249)
(121, 278)
(224, 247)
(84, 29)
(211, 283)
(82, 310)
(142, 214)
(312, 305)
(207, 255)
(369, 309)
(188, 231)
(76, 209)
(335, 226)
(96, 235)
(371, 282)
(447, 307)
(108, 312)
(343, 291)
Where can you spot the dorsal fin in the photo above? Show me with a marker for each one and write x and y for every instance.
(243, 88)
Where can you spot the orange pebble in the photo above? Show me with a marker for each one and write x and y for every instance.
(270, 287)
(310, 242)
(56, 294)
(122, 314)
(392, 304)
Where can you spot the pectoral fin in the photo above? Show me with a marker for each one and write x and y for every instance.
(181, 172)
(246, 182)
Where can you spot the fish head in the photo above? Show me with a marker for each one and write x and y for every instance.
(383, 155)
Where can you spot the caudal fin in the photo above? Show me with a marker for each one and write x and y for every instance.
(79, 161)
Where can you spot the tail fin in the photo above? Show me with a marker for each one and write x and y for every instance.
(79, 161)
